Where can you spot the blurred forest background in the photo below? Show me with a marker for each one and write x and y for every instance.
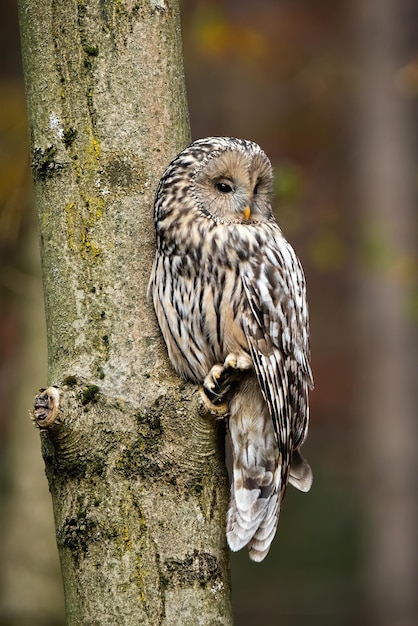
(330, 91)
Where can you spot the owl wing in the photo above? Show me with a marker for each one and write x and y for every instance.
(277, 329)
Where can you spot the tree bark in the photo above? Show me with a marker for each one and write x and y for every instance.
(135, 465)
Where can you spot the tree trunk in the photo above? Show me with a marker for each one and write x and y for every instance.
(387, 329)
(135, 467)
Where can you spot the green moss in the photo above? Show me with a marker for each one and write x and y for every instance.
(92, 51)
(71, 216)
(140, 582)
(139, 460)
(89, 394)
(127, 539)
(70, 135)
(136, 504)
(149, 423)
(89, 250)
(70, 381)
(83, 216)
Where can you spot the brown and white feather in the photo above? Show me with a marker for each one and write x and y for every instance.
(222, 284)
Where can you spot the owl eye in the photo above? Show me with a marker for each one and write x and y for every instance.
(257, 186)
(224, 187)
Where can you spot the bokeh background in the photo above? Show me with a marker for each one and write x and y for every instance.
(330, 91)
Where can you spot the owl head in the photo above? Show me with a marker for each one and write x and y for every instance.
(227, 180)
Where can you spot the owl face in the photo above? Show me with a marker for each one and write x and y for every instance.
(233, 183)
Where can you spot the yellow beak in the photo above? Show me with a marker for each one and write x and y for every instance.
(247, 212)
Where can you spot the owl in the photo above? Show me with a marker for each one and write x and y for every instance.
(230, 298)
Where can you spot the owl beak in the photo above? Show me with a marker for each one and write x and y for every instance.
(247, 212)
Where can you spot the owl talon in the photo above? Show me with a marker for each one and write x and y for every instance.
(220, 409)
(215, 387)
(218, 382)
(238, 362)
(215, 396)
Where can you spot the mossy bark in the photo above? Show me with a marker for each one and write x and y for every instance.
(134, 463)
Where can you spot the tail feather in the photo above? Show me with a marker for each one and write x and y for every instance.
(242, 524)
(300, 475)
(259, 474)
(267, 528)
(263, 537)
(256, 477)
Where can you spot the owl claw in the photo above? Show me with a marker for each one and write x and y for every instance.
(213, 385)
(218, 382)
(219, 409)
(239, 362)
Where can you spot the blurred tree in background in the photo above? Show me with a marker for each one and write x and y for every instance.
(330, 91)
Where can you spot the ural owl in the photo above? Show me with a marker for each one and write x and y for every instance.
(230, 298)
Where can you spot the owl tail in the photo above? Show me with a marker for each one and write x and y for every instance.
(300, 475)
(258, 478)
(256, 473)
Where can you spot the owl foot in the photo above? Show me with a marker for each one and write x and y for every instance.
(218, 382)
(219, 410)
(215, 386)
(240, 362)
